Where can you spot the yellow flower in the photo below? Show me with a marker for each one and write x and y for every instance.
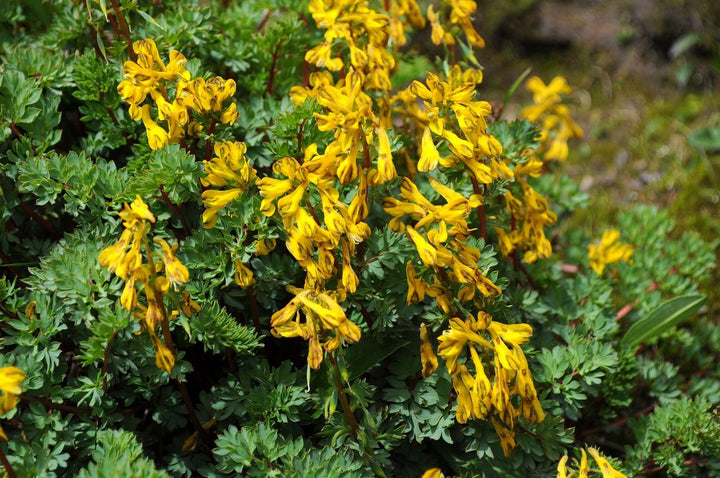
(416, 287)
(427, 253)
(605, 468)
(429, 156)
(507, 436)
(10, 379)
(562, 467)
(175, 271)
(243, 275)
(164, 358)
(427, 356)
(609, 251)
(322, 314)
(433, 473)
(215, 200)
(187, 304)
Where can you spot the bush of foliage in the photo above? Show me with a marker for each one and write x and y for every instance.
(257, 238)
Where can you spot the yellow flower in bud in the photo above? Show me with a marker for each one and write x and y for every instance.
(157, 136)
(30, 310)
(230, 115)
(427, 356)
(153, 316)
(138, 209)
(112, 256)
(385, 167)
(315, 353)
(583, 470)
(243, 275)
(10, 379)
(215, 200)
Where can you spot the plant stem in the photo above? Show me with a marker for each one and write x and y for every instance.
(190, 407)
(106, 359)
(175, 209)
(6, 464)
(254, 311)
(342, 396)
(124, 30)
(273, 65)
(481, 208)
(55, 406)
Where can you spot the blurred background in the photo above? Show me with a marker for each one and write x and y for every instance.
(646, 91)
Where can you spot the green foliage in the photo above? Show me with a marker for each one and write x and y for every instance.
(615, 361)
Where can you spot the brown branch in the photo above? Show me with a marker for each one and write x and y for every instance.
(124, 30)
(6, 464)
(616, 423)
(366, 152)
(208, 144)
(481, 208)
(264, 20)
(175, 209)
(47, 225)
(55, 406)
(190, 407)
(273, 65)
(517, 263)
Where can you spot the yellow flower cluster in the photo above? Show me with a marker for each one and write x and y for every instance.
(482, 392)
(557, 125)
(442, 247)
(609, 251)
(320, 227)
(464, 132)
(10, 380)
(528, 217)
(445, 27)
(126, 260)
(228, 169)
(604, 466)
(363, 31)
(150, 76)
(312, 240)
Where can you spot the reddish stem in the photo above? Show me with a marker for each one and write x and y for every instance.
(273, 65)
(47, 225)
(481, 208)
(124, 30)
(6, 464)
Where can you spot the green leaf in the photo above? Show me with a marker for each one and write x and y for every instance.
(365, 355)
(706, 138)
(671, 313)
